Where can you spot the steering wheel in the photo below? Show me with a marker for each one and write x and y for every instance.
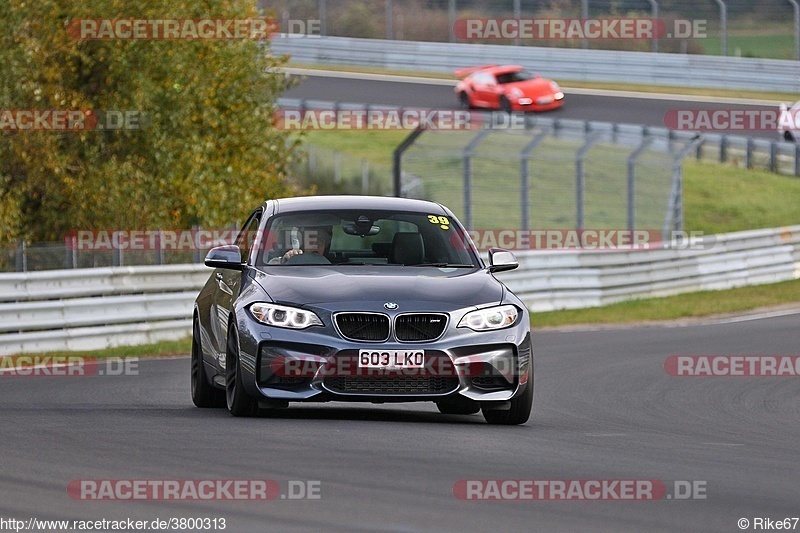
(308, 259)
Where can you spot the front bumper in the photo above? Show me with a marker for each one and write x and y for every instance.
(319, 365)
(537, 104)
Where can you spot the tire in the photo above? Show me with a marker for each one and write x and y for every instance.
(518, 414)
(458, 406)
(788, 136)
(505, 105)
(463, 101)
(204, 394)
(238, 401)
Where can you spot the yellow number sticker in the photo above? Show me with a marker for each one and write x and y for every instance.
(443, 222)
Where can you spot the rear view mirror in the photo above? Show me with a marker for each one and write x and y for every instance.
(501, 260)
(362, 231)
(228, 256)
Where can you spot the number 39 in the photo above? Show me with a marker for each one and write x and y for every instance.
(433, 219)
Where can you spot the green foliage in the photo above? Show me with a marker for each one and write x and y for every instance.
(208, 150)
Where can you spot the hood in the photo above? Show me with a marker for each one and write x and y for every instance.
(534, 87)
(368, 288)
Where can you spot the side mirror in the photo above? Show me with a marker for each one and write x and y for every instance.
(228, 256)
(501, 260)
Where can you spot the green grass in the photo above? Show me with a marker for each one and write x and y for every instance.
(766, 44)
(721, 198)
(375, 146)
(692, 305)
(161, 349)
(717, 198)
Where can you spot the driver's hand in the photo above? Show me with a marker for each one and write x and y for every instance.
(288, 255)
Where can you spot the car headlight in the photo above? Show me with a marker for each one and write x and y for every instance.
(282, 316)
(492, 318)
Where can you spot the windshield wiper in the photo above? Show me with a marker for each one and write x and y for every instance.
(443, 265)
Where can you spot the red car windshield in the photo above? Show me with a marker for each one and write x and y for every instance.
(514, 77)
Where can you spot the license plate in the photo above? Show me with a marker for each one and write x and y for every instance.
(391, 358)
(544, 101)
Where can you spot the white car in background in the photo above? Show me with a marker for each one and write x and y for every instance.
(786, 131)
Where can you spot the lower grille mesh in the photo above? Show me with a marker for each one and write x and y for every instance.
(392, 385)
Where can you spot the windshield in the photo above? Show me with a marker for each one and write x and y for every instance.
(365, 238)
(513, 77)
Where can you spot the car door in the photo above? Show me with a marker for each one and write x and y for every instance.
(228, 286)
(486, 90)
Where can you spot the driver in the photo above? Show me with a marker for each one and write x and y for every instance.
(316, 240)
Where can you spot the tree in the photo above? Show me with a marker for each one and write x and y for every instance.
(207, 150)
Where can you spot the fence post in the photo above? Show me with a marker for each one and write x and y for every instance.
(467, 158)
(584, 15)
(364, 177)
(773, 156)
(451, 16)
(337, 167)
(579, 180)
(389, 20)
(796, 8)
(796, 160)
(67, 255)
(18, 263)
(654, 15)
(723, 149)
(397, 160)
(525, 177)
(323, 17)
(159, 251)
(674, 217)
(723, 22)
(517, 16)
(196, 251)
(632, 180)
(748, 153)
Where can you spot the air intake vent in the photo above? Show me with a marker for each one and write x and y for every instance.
(420, 327)
(363, 326)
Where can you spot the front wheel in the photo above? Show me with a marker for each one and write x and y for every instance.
(505, 105)
(239, 402)
(203, 393)
(519, 412)
(463, 100)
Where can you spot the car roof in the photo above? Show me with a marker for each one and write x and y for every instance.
(391, 203)
(503, 69)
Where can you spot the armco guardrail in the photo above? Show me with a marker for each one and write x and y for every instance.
(549, 280)
(680, 70)
(96, 308)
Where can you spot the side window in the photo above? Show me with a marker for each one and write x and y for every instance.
(248, 235)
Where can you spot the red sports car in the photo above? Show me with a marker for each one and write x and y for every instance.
(509, 88)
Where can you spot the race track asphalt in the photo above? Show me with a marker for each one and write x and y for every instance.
(604, 409)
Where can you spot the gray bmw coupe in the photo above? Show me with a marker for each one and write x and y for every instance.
(360, 299)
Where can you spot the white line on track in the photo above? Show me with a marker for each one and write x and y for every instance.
(678, 323)
(394, 78)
